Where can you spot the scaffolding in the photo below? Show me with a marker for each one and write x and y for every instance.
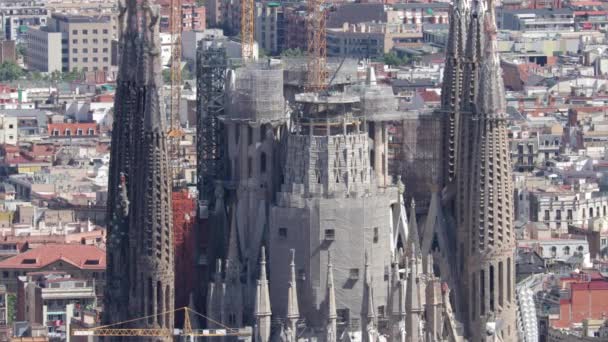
(211, 77)
(257, 93)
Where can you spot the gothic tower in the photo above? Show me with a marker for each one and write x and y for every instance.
(121, 158)
(151, 229)
(486, 230)
(452, 84)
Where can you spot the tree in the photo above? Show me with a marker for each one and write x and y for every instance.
(392, 59)
(11, 308)
(21, 50)
(292, 53)
(10, 71)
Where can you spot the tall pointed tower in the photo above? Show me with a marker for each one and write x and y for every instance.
(120, 201)
(451, 99)
(151, 230)
(488, 227)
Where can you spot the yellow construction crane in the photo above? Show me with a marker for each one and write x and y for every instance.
(114, 330)
(317, 44)
(247, 27)
(175, 130)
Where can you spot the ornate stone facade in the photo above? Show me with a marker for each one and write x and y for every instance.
(140, 235)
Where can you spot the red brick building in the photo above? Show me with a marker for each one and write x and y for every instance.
(586, 297)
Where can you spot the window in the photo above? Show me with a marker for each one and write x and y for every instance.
(580, 249)
(29, 261)
(91, 131)
(105, 41)
(104, 50)
(79, 131)
(74, 41)
(68, 132)
(249, 135)
(282, 233)
(5, 274)
(74, 50)
(590, 212)
(553, 252)
(95, 59)
(330, 234)
(55, 132)
(95, 50)
(105, 59)
(546, 218)
(10, 126)
(95, 31)
(85, 41)
(85, 31)
(85, 50)
(353, 273)
(105, 31)
(85, 59)
(74, 59)
(74, 31)
(375, 234)
(566, 250)
(263, 162)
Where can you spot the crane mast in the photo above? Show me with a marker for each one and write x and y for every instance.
(175, 130)
(247, 33)
(317, 44)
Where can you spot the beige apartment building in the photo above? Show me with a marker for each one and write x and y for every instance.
(85, 44)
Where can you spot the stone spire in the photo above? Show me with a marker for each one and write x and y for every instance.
(488, 227)
(451, 92)
(215, 300)
(151, 226)
(262, 303)
(293, 312)
(414, 300)
(368, 311)
(120, 203)
(332, 314)
(466, 128)
(234, 288)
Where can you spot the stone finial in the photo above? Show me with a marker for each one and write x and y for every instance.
(293, 311)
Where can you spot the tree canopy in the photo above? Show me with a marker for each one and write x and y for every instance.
(10, 71)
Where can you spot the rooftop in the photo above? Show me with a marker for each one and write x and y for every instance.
(80, 256)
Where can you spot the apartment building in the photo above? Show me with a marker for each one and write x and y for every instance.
(43, 50)
(17, 15)
(85, 44)
(370, 40)
(270, 27)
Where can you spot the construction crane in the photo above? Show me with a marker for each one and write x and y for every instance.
(175, 130)
(187, 331)
(247, 27)
(317, 43)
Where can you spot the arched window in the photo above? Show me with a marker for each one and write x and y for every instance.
(580, 249)
(566, 250)
(553, 252)
(68, 132)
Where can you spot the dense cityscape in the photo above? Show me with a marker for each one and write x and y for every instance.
(304, 170)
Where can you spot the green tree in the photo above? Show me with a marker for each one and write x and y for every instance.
(11, 308)
(21, 50)
(10, 71)
(391, 58)
(70, 76)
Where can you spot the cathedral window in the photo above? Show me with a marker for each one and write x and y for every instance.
(282, 233)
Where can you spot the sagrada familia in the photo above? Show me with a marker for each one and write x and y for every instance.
(310, 234)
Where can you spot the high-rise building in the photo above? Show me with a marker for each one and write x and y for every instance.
(140, 233)
(71, 42)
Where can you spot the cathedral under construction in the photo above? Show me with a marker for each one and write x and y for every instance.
(309, 234)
